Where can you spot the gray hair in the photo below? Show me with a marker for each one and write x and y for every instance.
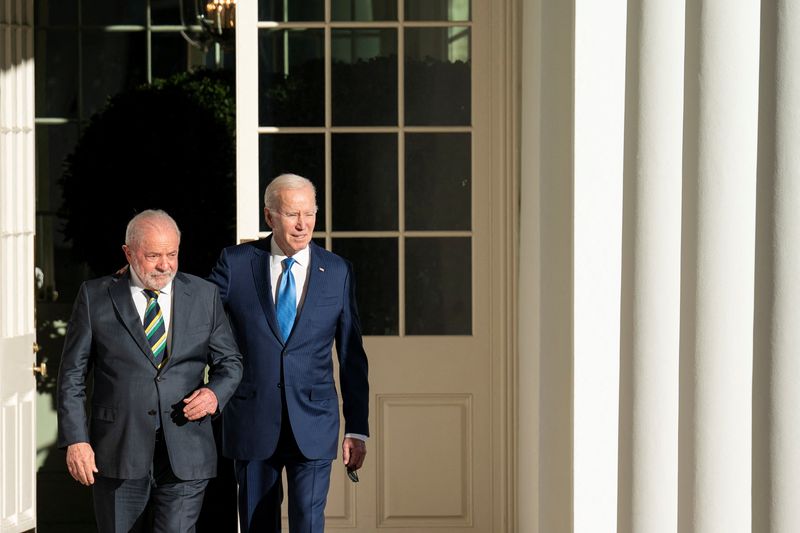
(282, 182)
(133, 234)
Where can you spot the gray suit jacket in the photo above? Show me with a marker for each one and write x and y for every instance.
(105, 338)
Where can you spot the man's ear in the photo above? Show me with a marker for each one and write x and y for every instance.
(268, 217)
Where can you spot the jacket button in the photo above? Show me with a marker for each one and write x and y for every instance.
(158, 378)
(280, 385)
(151, 412)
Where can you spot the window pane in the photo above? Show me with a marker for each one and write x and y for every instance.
(438, 286)
(364, 181)
(112, 62)
(56, 12)
(363, 10)
(208, 59)
(165, 12)
(291, 78)
(301, 154)
(364, 75)
(53, 144)
(437, 76)
(56, 73)
(105, 12)
(169, 54)
(291, 10)
(446, 10)
(375, 265)
(62, 275)
(438, 181)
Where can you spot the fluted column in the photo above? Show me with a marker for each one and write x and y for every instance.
(776, 487)
(649, 380)
(722, 66)
(599, 112)
(785, 333)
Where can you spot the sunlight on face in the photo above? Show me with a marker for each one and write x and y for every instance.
(293, 221)
(155, 257)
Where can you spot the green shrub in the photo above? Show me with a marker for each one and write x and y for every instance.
(170, 146)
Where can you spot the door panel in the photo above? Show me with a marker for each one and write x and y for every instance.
(17, 383)
(393, 129)
(17, 434)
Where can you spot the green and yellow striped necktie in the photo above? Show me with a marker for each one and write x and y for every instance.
(154, 327)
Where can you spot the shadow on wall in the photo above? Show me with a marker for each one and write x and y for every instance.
(169, 146)
(62, 504)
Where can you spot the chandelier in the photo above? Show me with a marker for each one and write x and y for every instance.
(213, 21)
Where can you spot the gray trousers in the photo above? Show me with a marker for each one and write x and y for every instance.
(158, 503)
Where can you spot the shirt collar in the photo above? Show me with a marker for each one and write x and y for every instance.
(301, 257)
(136, 283)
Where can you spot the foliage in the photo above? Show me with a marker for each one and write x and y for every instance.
(169, 145)
(364, 93)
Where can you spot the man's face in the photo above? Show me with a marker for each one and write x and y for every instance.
(155, 257)
(293, 221)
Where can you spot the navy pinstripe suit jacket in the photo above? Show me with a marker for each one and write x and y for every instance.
(251, 421)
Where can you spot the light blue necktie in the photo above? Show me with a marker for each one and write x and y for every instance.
(286, 299)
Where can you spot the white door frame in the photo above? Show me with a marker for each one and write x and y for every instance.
(17, 224)
(504, 168)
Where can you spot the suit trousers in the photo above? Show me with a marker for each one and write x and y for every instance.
(158, 503)
(261, 489)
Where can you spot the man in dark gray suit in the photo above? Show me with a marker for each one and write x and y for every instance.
(146, 336)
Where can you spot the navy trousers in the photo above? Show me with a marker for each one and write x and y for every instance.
(261, 489)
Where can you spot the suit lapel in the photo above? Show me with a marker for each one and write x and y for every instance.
(315, 284)
(179, 316)
(120, 294)
(261, 277)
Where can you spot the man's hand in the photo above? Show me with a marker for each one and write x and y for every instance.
(353, 452)
(200, 403)
(80, 462)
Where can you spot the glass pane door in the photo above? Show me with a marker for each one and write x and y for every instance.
(371, 100)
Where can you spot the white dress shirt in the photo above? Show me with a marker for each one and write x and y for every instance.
(302, 260)
(140, 299)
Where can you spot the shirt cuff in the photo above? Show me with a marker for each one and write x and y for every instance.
(358, 436)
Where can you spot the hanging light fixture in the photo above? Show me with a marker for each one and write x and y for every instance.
(214, 21)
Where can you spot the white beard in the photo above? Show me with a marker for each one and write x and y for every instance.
(154, 280)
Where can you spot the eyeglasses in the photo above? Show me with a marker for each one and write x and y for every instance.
(353, 475)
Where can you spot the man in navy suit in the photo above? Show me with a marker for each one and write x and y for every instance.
(146, 338)
(289, 301)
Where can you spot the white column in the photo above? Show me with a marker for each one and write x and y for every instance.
(17, 327)
(651, 269)
(598, 153)
(718, 244)
(777, 325)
